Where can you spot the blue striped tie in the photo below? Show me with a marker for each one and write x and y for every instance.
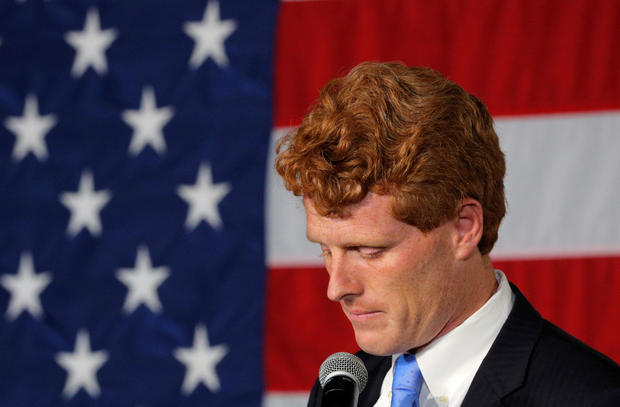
(407, 382)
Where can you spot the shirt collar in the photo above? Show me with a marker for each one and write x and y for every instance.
(449, 363)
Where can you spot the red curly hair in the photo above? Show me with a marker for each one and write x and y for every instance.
(406, 131)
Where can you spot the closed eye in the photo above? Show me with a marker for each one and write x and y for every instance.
(369, 252)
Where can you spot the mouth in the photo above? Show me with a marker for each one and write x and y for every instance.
(362, 316)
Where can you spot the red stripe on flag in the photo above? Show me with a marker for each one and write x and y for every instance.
(303, 327)
(525, 57)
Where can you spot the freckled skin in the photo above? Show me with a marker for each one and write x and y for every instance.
(399, 287)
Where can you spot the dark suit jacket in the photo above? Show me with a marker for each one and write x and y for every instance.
(531, 363)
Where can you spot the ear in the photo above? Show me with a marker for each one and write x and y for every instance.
(469, 223)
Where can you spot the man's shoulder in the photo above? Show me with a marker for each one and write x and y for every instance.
(564, 371)
(572, 358)
(555, 348)
(533, 362)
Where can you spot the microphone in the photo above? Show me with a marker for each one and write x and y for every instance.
(343, 376)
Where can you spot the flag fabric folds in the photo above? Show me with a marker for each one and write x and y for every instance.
(133, 141)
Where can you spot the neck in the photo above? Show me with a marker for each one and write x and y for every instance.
(482, 284)
(477, 284)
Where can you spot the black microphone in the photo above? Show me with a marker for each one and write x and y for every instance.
(343, 376)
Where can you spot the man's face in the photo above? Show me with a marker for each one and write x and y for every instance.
(398, 286)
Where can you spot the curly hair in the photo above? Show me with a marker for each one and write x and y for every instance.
(406, 131)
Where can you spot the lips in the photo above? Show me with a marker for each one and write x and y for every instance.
(357, 315)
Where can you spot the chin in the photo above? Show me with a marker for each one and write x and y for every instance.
(376, 344)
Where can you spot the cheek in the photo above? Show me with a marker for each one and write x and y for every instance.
(415, 287)
(404, 275)
(396, 284)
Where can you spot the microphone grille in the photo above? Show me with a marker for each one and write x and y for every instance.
(347, 363)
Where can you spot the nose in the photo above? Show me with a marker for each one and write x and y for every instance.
(343, 283)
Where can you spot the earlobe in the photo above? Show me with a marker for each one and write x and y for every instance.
(469, 225)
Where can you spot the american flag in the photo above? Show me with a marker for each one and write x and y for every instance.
(133, 143)
(148, 253)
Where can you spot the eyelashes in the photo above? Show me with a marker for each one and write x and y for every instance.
(367, 252)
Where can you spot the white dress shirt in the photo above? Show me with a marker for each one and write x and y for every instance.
(448, 364)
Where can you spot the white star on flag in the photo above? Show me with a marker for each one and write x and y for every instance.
(30, 130)
(147, 123)
(209, 36)
(90, 45)
(25, 288)
(81, 366)
(142, 282)
(200, 361)
(85, 205)
(203, 199)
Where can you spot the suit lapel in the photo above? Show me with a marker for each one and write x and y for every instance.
(503, 369)
(377, 367)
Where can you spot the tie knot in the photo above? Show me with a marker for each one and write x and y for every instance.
(407, 382)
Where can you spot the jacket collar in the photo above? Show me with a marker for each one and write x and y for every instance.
(504, 368)
(377, 367)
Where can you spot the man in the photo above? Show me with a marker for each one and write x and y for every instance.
(401, 175)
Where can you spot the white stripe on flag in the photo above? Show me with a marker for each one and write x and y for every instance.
(562, 185)
(285, 399)
(286, 220)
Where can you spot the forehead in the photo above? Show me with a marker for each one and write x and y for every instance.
(370, 219)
